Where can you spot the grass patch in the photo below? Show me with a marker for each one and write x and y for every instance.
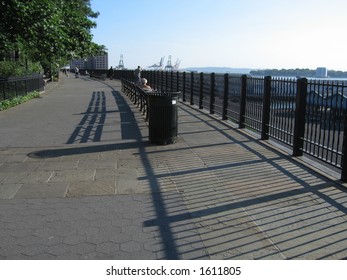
(5, 104)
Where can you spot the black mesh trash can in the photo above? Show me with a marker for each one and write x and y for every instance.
(162, 117)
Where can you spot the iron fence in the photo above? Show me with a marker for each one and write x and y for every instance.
(17, 86)
(307, 115)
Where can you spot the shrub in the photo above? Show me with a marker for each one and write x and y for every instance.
(17, 68)
(5, 104)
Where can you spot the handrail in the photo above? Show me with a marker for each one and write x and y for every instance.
(307, 115)
(22, 85)
(138, 96)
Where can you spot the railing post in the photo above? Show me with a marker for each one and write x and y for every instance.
(201, 90)
(150, 78)
(191, 88)
(3, 91)
(153, 85)
(243, 101)
(299, 121)
(177, 81)
(158, 79)
(344, 150)
(26, 85)
(153, 79)
(212, 94)
(162, 81)
(166, 80)
(225, 97)
(184, 87)
(266, 109)
(15, 86)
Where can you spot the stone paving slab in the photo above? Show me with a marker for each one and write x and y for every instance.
(79, 180)
(104, 227)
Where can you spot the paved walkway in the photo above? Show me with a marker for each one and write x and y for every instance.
(79, 180)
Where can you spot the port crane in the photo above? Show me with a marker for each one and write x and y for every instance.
(157, 66)
(121, 63)
(168, 67)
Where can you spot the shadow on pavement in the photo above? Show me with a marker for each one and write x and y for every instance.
(248, 201)
(90, 128)
(91, 125)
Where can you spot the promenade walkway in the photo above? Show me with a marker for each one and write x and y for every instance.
(79, 180)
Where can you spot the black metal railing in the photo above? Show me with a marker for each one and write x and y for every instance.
(136, 95)
(17, 86)
(307, 115)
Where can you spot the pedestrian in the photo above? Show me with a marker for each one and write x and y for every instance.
(110, 73)
(137, 74)
(77, 72)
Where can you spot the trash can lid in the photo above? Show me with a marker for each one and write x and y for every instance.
(164, 93)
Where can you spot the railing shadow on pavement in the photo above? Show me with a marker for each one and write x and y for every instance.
(237, 205)
(243, 211)
(91, 125)
(253, 202)
(130, 129)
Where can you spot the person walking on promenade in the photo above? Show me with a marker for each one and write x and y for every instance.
(110, 73)
(137, 74)
(77, 72)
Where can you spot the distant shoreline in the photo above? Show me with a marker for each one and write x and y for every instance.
(218, 70)
(332, 74)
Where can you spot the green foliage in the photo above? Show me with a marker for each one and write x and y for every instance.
(5, 104)
(18, 68)
(9, 68)
(47, 31)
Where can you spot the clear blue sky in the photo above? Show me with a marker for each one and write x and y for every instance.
(224, 33)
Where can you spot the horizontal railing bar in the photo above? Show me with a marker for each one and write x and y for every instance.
(240, 98)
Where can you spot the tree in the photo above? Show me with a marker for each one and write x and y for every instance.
(51, 32)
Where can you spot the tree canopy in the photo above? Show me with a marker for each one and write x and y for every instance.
(50, 32)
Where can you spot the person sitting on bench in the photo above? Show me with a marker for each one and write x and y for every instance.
(144, 85)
